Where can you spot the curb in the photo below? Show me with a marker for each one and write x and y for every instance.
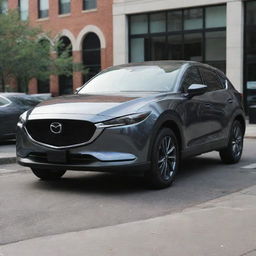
(7, 160)
(250, 136)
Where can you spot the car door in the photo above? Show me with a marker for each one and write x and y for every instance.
(8, 113)
(216, 107)
(192, 110)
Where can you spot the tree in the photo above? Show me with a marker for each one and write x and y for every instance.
(23, 56)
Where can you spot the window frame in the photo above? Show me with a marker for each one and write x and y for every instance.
(182, 33)
(39, 15)
(248, 28)
(90, 9)
(60, 8)
(19, 6)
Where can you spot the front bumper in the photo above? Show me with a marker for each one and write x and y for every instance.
(117, 148)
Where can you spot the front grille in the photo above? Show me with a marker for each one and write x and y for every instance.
(72, 132)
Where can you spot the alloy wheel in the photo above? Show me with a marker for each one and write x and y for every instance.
(167, 158)
(237, 141)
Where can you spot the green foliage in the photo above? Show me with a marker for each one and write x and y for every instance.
(23, 56)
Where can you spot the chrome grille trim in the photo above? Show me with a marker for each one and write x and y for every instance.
(97, 133)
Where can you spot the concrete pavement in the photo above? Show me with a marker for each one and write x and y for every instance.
(224, 226)
(7, 152)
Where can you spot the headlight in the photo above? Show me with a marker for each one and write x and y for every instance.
(124, 120)
(22, 119)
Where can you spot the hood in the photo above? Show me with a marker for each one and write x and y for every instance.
(93, 108)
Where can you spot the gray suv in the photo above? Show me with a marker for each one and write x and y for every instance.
(145, 116)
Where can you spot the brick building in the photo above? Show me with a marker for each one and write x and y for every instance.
(85, 24)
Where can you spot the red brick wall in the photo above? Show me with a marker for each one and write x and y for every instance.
(74, 22)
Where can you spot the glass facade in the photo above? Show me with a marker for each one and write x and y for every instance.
(23, 9)
(43, 8)
(197, 34)
(89, 4)
(250, 54)
(64, 6)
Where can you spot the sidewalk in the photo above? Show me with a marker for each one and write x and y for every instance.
(221, 227)
(250, 131)
(7, 153)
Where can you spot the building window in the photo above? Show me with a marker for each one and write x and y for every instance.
(43, 8)
(64, 6)
(197, 34)
(91, 55)
(23, 9)
(3, 6)
(89, 4)
(250, 54)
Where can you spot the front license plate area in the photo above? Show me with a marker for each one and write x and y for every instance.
(57, 156)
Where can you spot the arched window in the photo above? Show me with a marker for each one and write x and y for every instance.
(91, 55)
(65, 82)
(43, 86)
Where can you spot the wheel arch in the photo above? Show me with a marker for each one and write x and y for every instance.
(241, 120)
(171, 121)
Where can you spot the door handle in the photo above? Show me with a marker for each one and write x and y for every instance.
(230, 100)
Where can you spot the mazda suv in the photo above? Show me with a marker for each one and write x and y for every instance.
(137, 117)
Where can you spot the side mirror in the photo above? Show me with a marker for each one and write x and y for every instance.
(77, 89)
(196, 89)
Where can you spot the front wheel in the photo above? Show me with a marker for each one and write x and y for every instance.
(164, 160)
(48, 174)
(233, 152)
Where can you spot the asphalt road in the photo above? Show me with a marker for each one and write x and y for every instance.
(32, 208)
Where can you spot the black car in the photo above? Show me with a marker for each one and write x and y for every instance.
(12, 105)
(145, 116)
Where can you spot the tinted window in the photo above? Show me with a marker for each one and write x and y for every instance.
(135, 78)
(3, 101)
(211, 79)
(192, 76)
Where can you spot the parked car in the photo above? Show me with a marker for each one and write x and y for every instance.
(146, 116)
(12, 105)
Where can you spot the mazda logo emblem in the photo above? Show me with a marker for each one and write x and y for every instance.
(56, 128)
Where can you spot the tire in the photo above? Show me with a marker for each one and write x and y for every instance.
(233, 152)
(165, 159)
(48, 174)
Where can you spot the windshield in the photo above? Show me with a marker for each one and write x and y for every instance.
(133, 79)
